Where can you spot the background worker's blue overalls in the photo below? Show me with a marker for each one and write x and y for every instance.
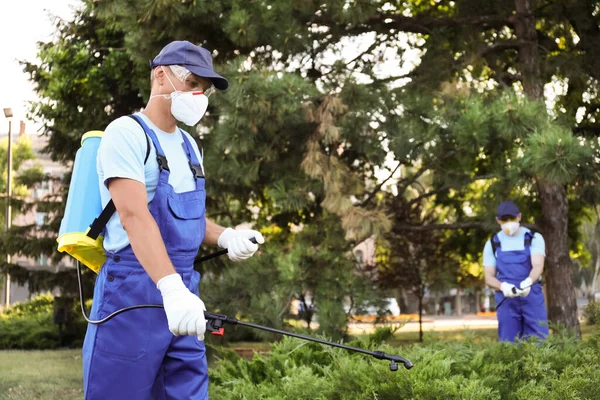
(135, 356)
(519, 317)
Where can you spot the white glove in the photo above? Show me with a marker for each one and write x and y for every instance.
(525, 287)
(507, 289)
(185, 310)
(238, 244)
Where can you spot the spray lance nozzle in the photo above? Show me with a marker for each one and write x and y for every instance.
(394, 360)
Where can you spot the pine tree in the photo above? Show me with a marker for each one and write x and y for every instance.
(312, 127)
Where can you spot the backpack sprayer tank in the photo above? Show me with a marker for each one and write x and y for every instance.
(83, 206)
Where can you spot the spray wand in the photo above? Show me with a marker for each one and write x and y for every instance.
(215, 322)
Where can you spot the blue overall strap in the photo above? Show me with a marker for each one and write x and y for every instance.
(193, 162)
(98, 225)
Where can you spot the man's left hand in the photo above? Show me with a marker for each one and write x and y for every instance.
(525, 287)
(238, 244)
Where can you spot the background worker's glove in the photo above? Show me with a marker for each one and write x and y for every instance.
(507, 289)
(238, 244)
(525, 287)
(185, 310)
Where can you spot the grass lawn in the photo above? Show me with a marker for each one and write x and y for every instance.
(53, 374)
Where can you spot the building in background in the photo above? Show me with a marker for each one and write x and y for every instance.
(45, 190)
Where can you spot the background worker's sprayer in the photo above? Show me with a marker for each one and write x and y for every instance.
(79, 236)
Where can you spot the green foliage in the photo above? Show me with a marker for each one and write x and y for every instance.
(314, 263)
(21, 152)
(559, 368)
(591, 313)
(372, 135)
(556, 155)
(29, 325)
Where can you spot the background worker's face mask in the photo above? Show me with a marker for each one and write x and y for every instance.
(510, 228)
(186, 107)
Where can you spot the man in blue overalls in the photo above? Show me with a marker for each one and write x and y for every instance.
(154, 174)
(513, 262)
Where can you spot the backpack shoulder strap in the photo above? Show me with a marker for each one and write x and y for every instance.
(528, 238)
(145, 134)
(100, 222)
(495, 242)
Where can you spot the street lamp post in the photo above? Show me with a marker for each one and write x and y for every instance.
(8, 114)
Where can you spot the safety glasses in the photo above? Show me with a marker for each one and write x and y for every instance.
(192, 85)
(507, 218)
(192, 82)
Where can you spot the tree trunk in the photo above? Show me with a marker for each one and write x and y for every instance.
(562, 304)
(403, 301)
(458, 302)
(528, 51)
(420, 317)
(596, 258)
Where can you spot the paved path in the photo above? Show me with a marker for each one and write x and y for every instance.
(430, 323)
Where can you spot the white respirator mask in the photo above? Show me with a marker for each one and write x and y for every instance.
(188, 107)
(510, 228)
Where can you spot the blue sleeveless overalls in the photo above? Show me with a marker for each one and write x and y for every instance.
(519, 317)
(134, 355)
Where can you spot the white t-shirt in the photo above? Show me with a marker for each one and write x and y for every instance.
(121, 155)
(513, 243)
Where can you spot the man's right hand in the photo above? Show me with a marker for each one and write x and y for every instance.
(185, 310)
(507, 289)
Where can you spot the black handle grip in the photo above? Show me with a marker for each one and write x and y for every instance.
(215, 254)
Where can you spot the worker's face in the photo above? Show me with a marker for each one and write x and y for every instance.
(509, 223)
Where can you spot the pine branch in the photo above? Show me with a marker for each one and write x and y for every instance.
(378, 188)
(444, 189)
(409, 181)
(376, 42)
(435, 227)
(411, 75)
(506, 78)
(412, 179)
(425, 25)
(501, 46)
(587, 131)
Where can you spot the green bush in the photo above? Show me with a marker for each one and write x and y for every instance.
(30, 325)
(591, 312)
(562, 367)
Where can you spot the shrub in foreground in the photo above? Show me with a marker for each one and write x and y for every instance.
(557, 369)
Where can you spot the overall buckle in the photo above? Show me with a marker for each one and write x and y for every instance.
(162, 163)
(196, 170)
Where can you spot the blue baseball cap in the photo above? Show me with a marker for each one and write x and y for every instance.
(507, 208)
(195, 58)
